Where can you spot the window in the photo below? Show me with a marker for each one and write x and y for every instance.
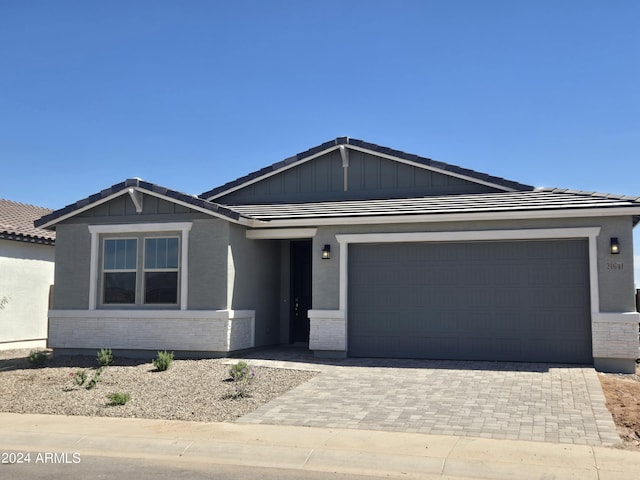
(139, 265)
(141, 270)
(161, 270)
(120, 267)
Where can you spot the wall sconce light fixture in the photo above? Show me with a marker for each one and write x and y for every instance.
(615, 245)
(326, 252)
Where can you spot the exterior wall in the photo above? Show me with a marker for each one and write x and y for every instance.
(255, 283)
(614, 325)
(368, 176)
(73, 255)
(26, 277)
(205, 331)
(208, 323)
(208, 266)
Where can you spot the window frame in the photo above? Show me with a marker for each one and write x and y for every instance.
(140, 232)
(104, 271)
(144, 270)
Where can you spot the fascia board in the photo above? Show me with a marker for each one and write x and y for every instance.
(241, 221)
(281, 233)
(89, 206)
(433, 169)
(272, 173)
(125, 191)
(454, 217)
(364, 150)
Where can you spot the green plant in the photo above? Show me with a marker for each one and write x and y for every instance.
(118, 398)
(79, 377)
(238, 370)
(163, 361)
(97, 377)
(242, 375)
(105, 357)
(37, 358)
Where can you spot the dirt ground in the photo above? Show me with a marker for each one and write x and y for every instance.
(623, 401)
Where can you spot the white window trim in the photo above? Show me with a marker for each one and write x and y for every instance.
(144, 270)
(470, 236)
(97, 230)
(104, 270)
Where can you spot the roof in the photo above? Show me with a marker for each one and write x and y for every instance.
(91, 201)
(515, 201)
(17, 223)
(372, 148)
(544, 200)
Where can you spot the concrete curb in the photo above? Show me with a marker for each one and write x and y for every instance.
(375, 453)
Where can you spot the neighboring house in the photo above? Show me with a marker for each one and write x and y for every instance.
(26, 275)
(359, 250)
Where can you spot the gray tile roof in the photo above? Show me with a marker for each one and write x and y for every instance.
(523, 201)
(524, 198)
(16, 223)
(472, 174)
(136, 182)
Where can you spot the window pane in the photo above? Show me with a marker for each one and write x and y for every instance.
(161, 287)
(161, 253)
(120, 254)
(120, 287)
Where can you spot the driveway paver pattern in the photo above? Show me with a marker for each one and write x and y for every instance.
(519, 401)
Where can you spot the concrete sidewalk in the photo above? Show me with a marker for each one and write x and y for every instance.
(375, 453)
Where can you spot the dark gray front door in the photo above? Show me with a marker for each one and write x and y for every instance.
(508, 301)
(300, 290)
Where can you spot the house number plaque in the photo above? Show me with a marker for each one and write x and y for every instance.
(615, 266)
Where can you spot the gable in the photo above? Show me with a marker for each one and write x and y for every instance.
(140, 201)
(123, 206)
(367, 176)
(351, 169)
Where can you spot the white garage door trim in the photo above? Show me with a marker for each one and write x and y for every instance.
(590, 233)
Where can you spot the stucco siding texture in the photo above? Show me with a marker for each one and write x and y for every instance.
(256, 282)
(25, 281)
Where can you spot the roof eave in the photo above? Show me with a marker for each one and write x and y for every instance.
(451, 217)
(19, 237)
(376, 150)
(232, 216)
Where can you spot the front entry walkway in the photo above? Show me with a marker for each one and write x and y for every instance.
(518, 401)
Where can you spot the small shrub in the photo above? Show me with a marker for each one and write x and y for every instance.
(79, 377)
(238, 370)
(242, 375)
(37, 358)
(118, 398)
(163, 361)
(97, 377)
(105, 357)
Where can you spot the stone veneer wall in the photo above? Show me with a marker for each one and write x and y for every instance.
(206, 331)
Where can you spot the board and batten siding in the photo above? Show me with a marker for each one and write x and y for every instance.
(368, 176)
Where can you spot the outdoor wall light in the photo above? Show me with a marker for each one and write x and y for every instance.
(615, 245)
(326, 252)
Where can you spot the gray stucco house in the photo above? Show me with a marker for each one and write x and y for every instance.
(359, 250)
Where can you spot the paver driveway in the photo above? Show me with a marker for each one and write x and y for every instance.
(520, 401)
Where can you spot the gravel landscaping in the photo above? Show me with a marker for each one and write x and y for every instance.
(198, 390)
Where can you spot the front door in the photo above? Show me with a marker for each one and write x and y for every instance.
(300, 290)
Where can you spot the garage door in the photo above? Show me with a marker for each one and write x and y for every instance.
(506, 301)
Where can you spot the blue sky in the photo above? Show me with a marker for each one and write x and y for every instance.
(191, 94)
